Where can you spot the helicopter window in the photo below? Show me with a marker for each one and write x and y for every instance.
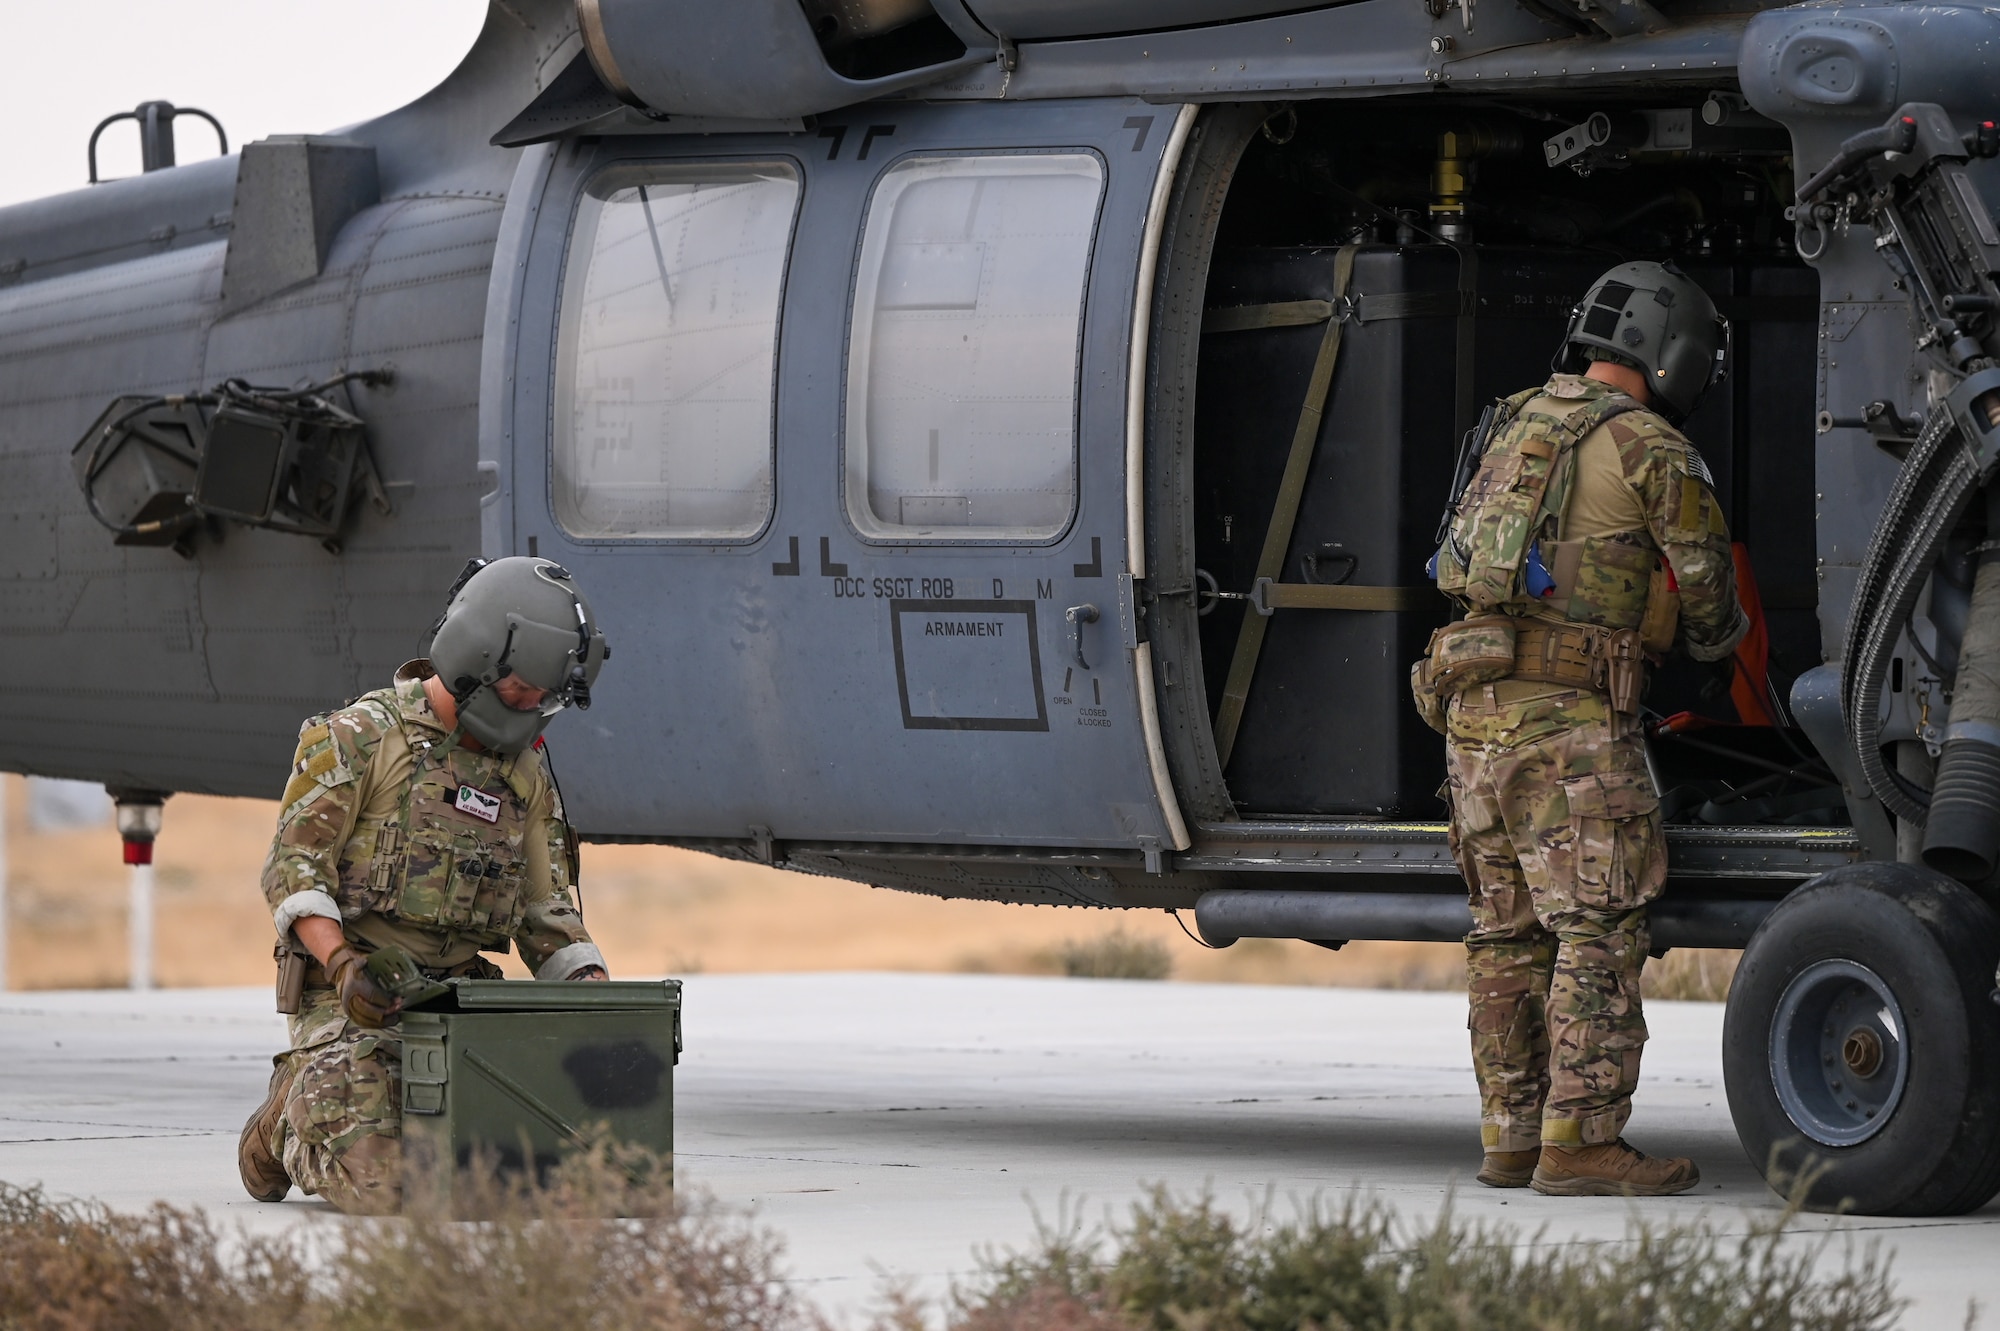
(668, 351)
(962, 367)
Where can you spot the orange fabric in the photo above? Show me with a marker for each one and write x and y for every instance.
(1750, 688)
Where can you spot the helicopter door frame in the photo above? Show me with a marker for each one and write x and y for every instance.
(1136, 385)
(782, 740)
(505, 294)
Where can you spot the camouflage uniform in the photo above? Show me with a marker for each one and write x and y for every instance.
(379, 835)
(1555, 823)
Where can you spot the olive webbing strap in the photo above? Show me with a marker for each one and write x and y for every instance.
(1374, 307)
(1576, 427)
(1284, 514)
(1340, 596)
(1277, 314)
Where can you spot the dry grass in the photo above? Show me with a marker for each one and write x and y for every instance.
(547, 1257)
(1694, 974)
(655, 909)
(1182, 1264)
(543, 1257)
(74, 1266)
(1118, 955)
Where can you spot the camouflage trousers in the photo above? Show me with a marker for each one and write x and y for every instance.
(341, 1137)
(1556, 827)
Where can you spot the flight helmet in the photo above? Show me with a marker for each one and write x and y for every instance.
(523, 617)
(1653, 317)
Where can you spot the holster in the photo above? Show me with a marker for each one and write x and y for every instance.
(292, 958)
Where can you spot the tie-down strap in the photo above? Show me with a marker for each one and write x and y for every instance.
(1291, 487)
(1268, 596)
(1376, 307)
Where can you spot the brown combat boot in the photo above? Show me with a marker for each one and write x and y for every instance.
(263, 1174)
(1508, 1169)
(1610, 1169)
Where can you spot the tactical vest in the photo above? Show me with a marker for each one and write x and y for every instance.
(1502, 553)
(452, 856)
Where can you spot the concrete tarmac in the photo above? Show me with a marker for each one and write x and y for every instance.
(888, 1125)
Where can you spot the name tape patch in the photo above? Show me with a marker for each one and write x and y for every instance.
(478, 805)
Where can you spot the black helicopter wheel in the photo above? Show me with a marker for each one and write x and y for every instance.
(1861, 1044)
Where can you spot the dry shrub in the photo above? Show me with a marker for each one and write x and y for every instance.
(1186, 1265)
(1117, 955)
(76, 1266)
(550, 1258)
(1693, 974)
(543, 1256)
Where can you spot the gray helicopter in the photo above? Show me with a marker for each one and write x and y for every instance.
(1004, 439)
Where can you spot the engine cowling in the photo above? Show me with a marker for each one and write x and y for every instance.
(773, 59)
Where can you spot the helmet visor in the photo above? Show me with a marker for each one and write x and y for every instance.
(516, 694)
(544, 658)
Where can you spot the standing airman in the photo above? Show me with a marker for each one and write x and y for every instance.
(1587, 527)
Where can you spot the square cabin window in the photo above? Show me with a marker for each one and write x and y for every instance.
(667, 353)
(962, 369)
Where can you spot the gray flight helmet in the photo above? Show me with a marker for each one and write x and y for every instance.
(523, 617)
(1654, 317)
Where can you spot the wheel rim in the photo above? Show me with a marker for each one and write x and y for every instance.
(1839, 1052)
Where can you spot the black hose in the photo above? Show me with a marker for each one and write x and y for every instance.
(1929, 494)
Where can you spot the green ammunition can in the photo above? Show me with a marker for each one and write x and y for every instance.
(519, 1073)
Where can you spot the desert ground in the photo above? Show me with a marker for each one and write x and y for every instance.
(654, 910)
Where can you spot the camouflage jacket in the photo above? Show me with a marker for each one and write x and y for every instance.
(443, 857)
(1630, 492)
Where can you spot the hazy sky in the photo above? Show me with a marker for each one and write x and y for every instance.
(260, 66)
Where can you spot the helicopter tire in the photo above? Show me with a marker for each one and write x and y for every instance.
(1861, 1044)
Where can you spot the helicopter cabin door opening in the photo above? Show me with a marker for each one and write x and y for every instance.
(831, 425)
(1328, 238)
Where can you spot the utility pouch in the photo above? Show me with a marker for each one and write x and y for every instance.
(1625, 671)
(1663, 614)
(291, 961)
(1430, 706)
(1473, 651)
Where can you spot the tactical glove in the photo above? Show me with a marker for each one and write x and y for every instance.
(365, 1002)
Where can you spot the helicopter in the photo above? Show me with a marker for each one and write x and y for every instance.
(1004, 438)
